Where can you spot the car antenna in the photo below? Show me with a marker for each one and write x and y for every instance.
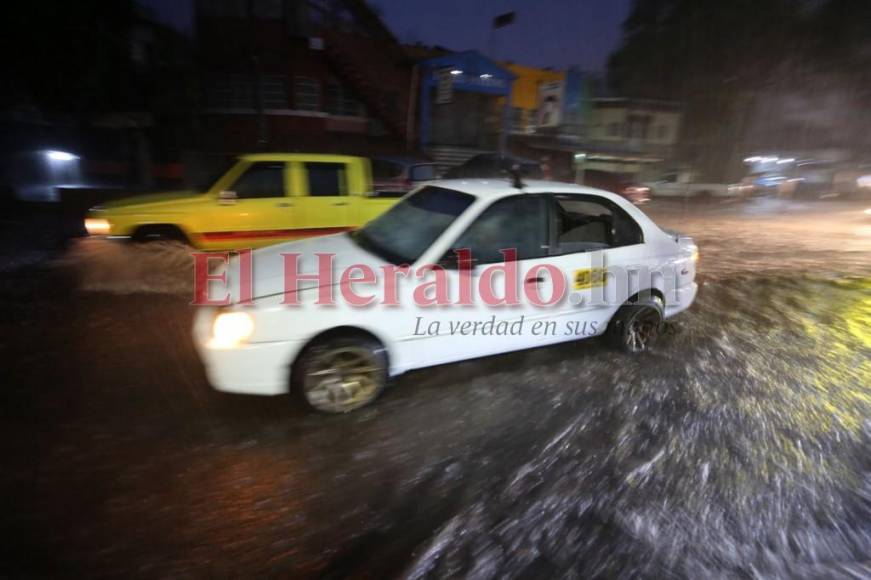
(514, 172)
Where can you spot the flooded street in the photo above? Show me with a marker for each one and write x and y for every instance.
(739, 448)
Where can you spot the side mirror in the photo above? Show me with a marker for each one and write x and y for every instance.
(227, 197)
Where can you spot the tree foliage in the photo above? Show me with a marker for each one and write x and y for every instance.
(750, 73)
(68, 56)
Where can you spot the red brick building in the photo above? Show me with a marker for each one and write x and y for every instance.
(300, 75)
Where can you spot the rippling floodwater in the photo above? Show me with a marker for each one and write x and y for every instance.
(739, 448)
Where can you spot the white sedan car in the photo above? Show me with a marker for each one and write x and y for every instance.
(458, 269)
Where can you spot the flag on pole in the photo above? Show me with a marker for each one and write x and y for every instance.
(503, 20)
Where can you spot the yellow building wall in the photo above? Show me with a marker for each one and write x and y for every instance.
(524, 93)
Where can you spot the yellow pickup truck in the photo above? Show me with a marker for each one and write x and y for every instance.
(263, 199)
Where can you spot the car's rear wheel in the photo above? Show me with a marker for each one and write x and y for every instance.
(635, 327)
(340, 374)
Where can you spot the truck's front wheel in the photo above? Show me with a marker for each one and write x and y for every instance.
(159, 233)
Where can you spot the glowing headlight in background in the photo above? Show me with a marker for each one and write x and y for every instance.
(60, 156)
(231, 329)
(97, 226)
(864, 181)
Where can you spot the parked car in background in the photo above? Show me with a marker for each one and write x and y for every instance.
(617, 183)
(487, 165)
(396, 176)
(263, 199)
(686, 185)
(853, 181)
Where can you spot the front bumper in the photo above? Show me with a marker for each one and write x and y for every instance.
(260, 368)
(253, 369)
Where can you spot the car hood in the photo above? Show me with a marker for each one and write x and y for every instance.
(153, 201)
(268, 263)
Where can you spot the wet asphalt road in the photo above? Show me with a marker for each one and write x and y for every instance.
(740, 447)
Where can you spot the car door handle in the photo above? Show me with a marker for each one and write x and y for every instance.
(283, 204)
(536, 280)
(341, 203)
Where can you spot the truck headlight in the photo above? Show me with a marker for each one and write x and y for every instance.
(231, 329)
(97, 226)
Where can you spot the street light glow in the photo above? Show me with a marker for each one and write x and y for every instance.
(60, 156)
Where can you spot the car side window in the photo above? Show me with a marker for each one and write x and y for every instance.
(262, 179)
(586, 224)
(518, 222)
(326, 179)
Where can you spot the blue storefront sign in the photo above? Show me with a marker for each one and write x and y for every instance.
(465, 71)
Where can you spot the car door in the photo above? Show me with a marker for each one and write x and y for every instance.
(516, 223)
(599, 248)
(252, 209)
(324, 203)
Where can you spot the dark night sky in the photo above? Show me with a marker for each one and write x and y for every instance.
(557, 33)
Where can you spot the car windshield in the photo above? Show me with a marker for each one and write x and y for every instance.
(403, 234)
(203, 176)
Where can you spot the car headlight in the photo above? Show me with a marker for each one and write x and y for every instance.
(231, 329)
(98, 226)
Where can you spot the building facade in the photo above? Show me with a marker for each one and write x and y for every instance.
(631, 136)
(314, 75)
(532, 87)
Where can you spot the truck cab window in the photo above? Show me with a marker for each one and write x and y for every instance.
(326, 179)
(261, 180)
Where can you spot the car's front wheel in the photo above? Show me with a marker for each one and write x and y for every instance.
(340, 374)
(635, 327)
(159, 233)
